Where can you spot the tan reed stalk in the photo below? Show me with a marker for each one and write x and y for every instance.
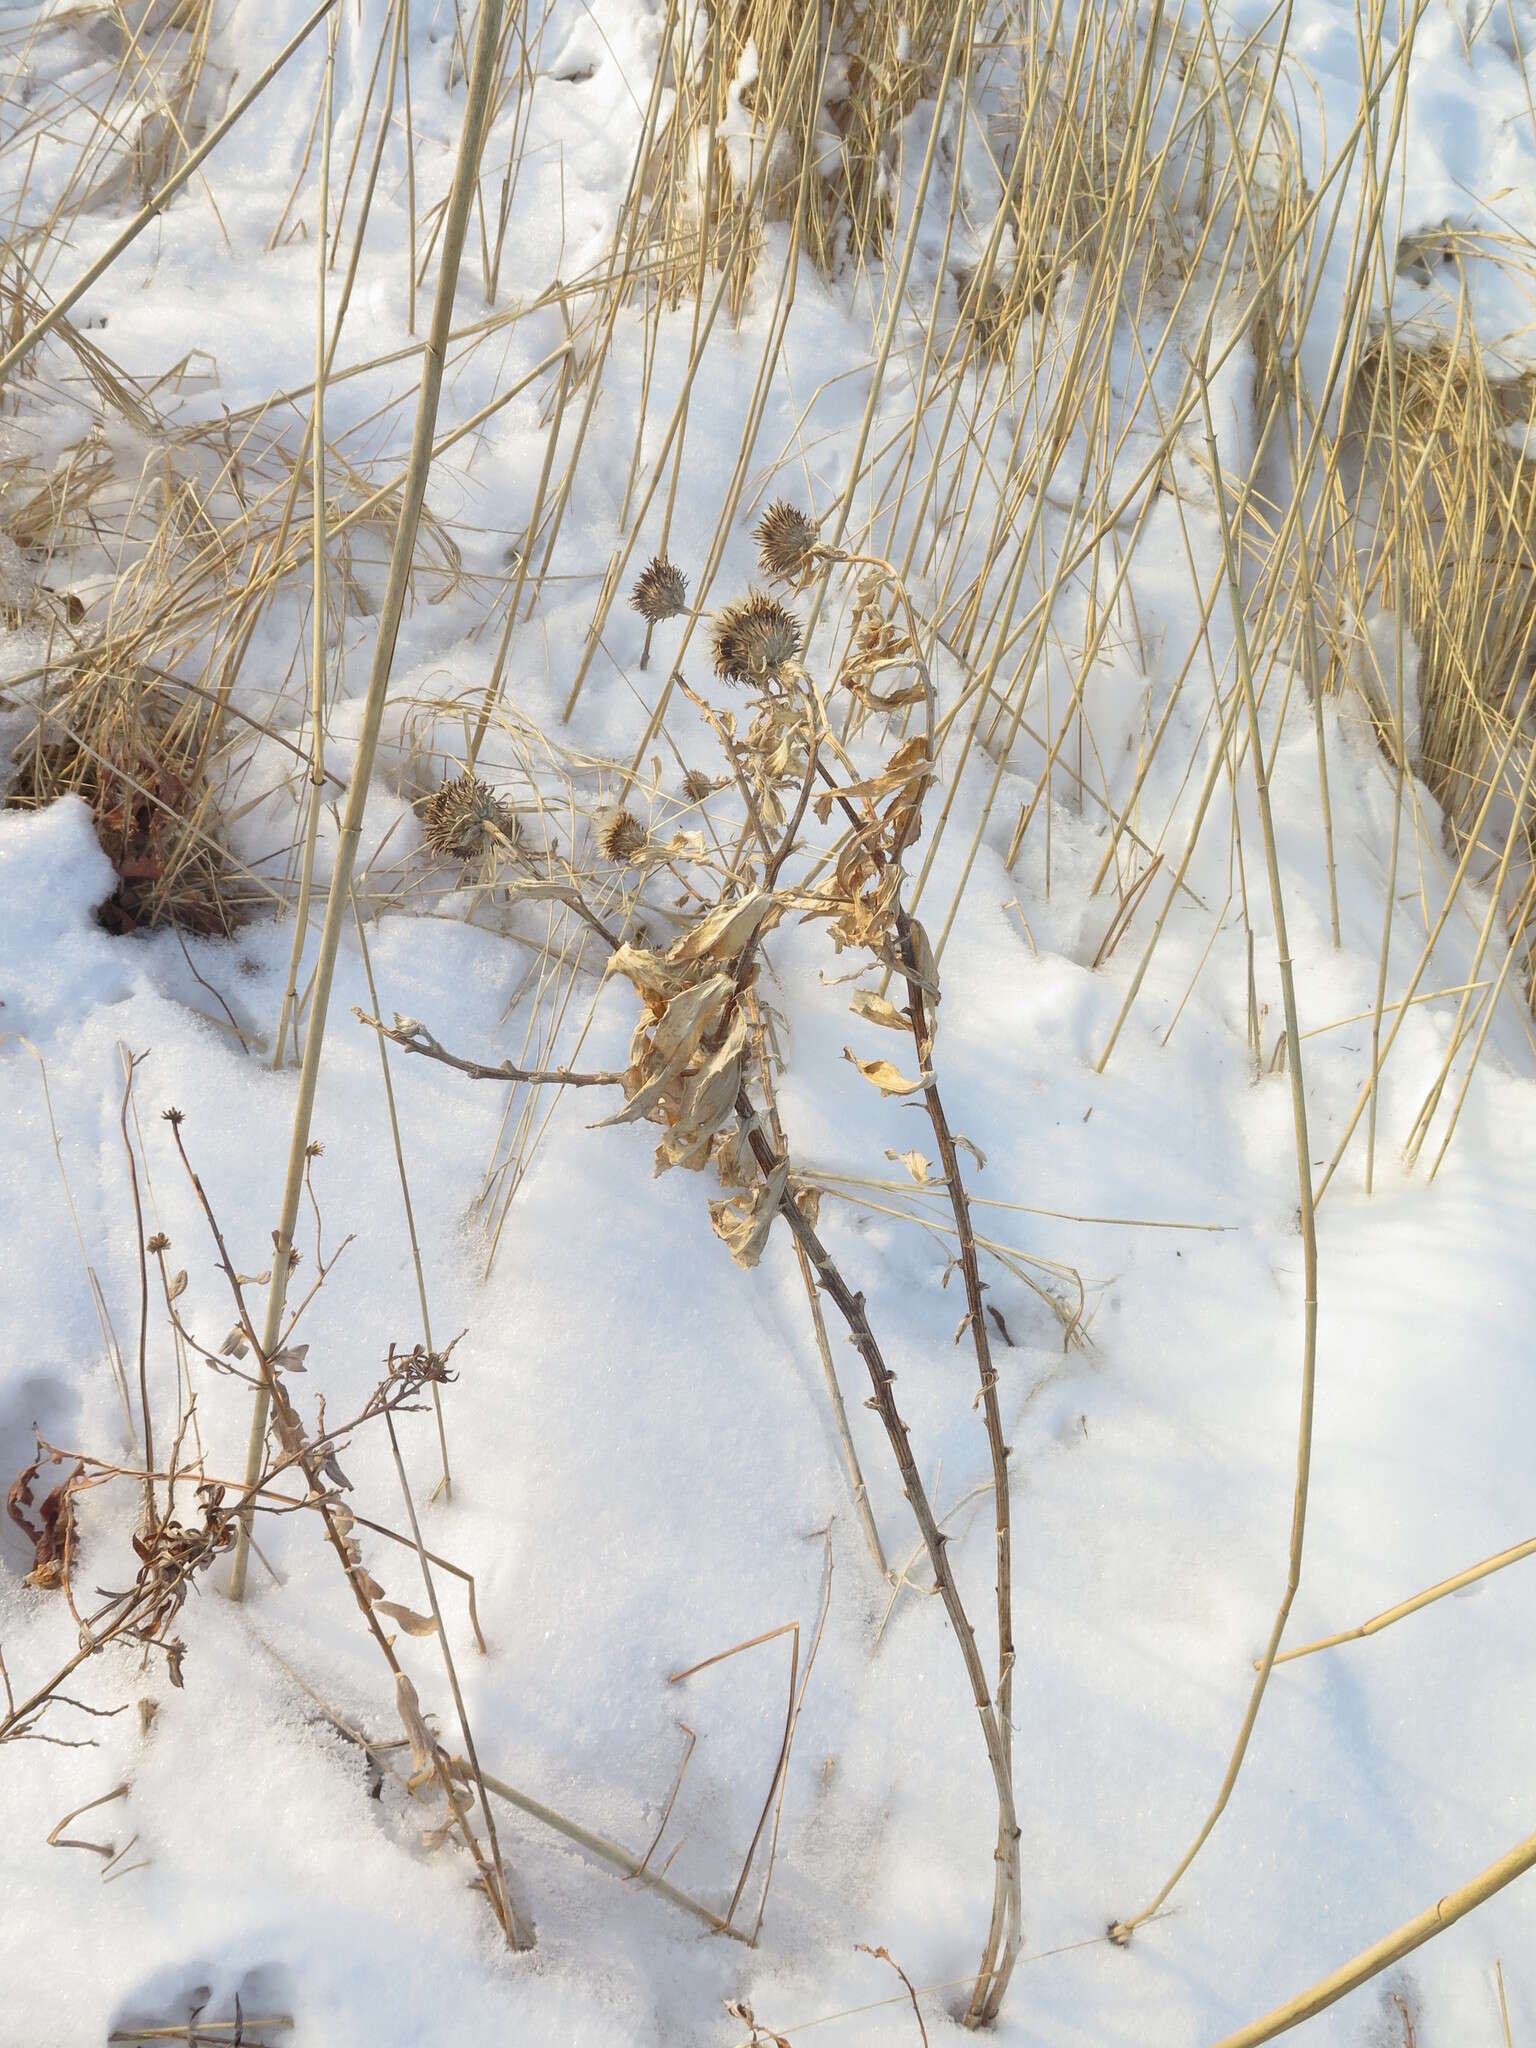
(1370, 1962)
(471, 141)
(1123, 1929)
(318, 599)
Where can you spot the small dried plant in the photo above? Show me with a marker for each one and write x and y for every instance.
(174, 1550)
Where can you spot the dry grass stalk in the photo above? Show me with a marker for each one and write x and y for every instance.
(471, 141)
(1381, 1955)
(1122, 1929)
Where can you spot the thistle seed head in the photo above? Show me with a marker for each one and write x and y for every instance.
(756, 640)
(787, 541)
(697, 785)
(661, 591)
(621, 837)
(455, 817)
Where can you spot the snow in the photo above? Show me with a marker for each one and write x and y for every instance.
(645, 1468)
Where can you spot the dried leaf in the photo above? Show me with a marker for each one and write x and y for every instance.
(877, 1010)
(423, 1748)
(744, 1222)
(915, 1163)
(975, 1151)
(291, 1359)
(49, 1526)
(885, 1077)
(708, 1099)
(927, 967)
(234, 1345)
(413, 1623)
(725, 930)
(655, 977)
(177, 1285)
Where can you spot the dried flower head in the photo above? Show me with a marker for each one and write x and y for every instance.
(455, 818)
(661, 592)
(755, 640)
(697, 785)
(787, 541)
(621, 836)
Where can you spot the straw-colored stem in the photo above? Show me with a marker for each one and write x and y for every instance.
(1404, 1608)
(471, 139)
(317, 619)
(1390, 1949)
(1123, 1929)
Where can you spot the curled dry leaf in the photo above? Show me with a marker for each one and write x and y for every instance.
(975, 1151)
(708, 1099)
(48, 1525)
(877, 1010)
(744, 1221)
(888, 1079)
(423, 1748)
(407, 1618)
(914, 1162)
(176, 1286)
(725, 930)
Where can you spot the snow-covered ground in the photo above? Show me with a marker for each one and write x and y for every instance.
(645, 1470)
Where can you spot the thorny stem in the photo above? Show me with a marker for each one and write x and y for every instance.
(411, 1036)
(1006, 1932)
(850, 1306)
(855, 1472)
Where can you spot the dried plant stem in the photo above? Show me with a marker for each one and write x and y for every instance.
(445, 1484)
(1390, 1949)
(129, 1063)
(625, 1861)
(471, 140)
(160, 199)
(1123, 1929)
(850, 1456)
(1006, 1932)
(521, 1936)
(317, 538)
(850, 1306)
(1404, 1608)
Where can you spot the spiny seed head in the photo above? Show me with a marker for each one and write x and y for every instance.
(697, 785)
(661, 592)
(622, 836)
(455, 817)
(787, 541)
(755, 640)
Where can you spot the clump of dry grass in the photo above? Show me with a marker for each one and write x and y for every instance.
(1455, 548)
(134, 749)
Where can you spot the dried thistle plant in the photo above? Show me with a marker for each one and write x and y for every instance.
(661, 591)
(787, 542)
(697, 786)
(756, 640)
(621, 836)
(698, 1047)
(459, 818)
